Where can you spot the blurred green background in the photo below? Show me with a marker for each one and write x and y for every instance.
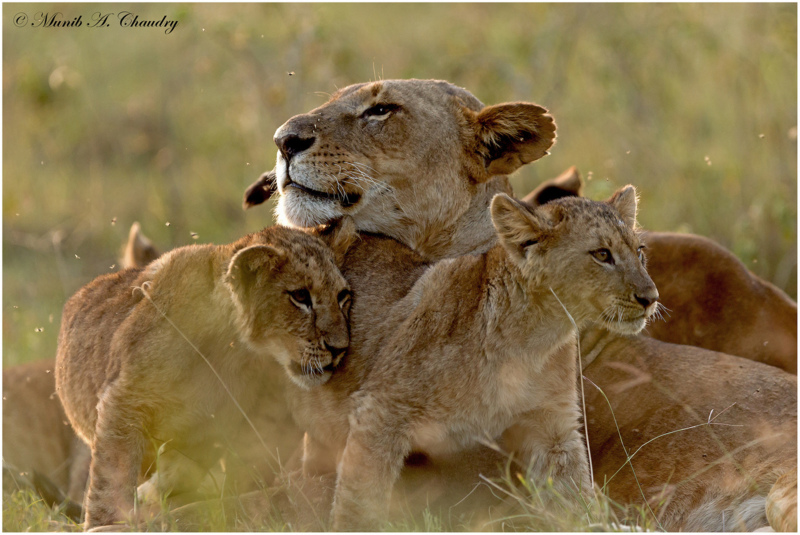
(694, 104)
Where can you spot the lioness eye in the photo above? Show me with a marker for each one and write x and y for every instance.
(300, 297)
(603, 255)
(379, 110)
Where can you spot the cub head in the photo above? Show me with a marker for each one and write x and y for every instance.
(403, 158)
(587, 252)
(292, 302)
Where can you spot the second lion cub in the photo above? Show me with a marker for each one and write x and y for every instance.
(481, 348)
(149, 359)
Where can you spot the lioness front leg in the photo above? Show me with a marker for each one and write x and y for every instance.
(548, 444)
(368, 470)
(117, 450)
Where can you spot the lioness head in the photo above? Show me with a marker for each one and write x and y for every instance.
(292, 302)
(416, 160)
(588, 252)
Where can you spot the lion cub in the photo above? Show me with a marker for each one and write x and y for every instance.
(481, 348)
(151, 360)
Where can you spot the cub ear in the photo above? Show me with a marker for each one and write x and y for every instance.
(567, 184)
(512, 135)
(343, 235)
(340, 236)
(625, 201)
(517, 227)
(261, 190)
(246, 263)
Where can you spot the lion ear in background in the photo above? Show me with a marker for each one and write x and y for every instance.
(508, 136)
(567, 184)
(139, 251)
(261, 190)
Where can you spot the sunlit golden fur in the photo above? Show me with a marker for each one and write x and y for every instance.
(711, 299)
(149, 359)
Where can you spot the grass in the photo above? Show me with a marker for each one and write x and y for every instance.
(23, 510)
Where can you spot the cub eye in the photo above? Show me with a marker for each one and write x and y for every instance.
(344, 298)
(300, 297)
(380, 110)
(640, 253)
(603, 255)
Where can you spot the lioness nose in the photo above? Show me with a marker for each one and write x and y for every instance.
(291, 144)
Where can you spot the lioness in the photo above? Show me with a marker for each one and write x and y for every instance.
(481, 342)
(713, 300)
(154, 365)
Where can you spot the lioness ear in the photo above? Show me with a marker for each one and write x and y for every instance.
(341, 235)
(517, 227)
(246, 263)
(512, 135)
(625, 201)
(567, 184)
(261, 190)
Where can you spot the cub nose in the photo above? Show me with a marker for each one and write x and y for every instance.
(291, 144)
(336, 352)
(647, 299)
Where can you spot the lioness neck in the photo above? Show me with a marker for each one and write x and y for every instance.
(470, 233)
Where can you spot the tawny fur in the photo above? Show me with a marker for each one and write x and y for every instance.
(712, 300)
(129, 369)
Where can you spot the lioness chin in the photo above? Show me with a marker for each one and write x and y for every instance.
(156, 365)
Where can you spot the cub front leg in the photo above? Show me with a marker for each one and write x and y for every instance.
(548, 444)
(117, 450)
(318, 459)
(370, 465)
